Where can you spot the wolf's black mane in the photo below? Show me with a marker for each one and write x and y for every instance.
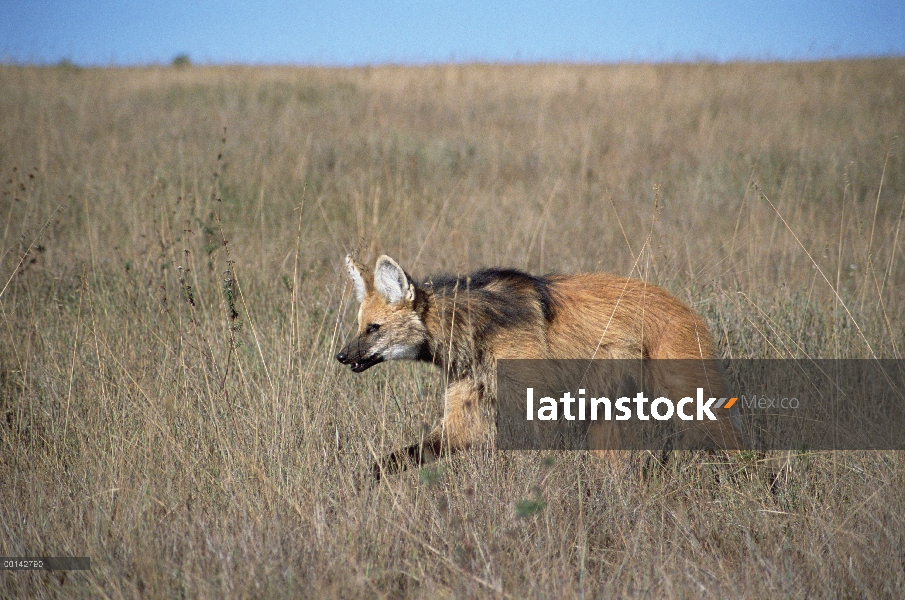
(506, 302)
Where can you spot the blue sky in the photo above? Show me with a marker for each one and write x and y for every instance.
(92, 32)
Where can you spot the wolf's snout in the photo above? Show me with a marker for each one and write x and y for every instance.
(353, 356)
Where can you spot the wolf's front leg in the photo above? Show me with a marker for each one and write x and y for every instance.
(462, 426)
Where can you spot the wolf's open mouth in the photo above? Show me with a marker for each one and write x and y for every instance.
(361, 365)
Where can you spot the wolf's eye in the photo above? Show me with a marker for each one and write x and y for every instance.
(372, 328)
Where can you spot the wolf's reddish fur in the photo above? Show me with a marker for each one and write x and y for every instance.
(466, 324)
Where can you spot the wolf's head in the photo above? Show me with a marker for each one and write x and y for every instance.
(389, 327)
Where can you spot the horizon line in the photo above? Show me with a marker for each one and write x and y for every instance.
(184, 60)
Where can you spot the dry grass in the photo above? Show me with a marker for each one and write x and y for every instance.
(191, 433)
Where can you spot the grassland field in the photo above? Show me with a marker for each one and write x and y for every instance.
(173, 295)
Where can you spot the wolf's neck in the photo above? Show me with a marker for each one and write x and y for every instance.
(450, 324)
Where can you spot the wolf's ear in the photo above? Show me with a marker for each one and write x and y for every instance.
(391, 282)
(361, 277)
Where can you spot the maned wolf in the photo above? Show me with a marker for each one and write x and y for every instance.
(465, 324)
